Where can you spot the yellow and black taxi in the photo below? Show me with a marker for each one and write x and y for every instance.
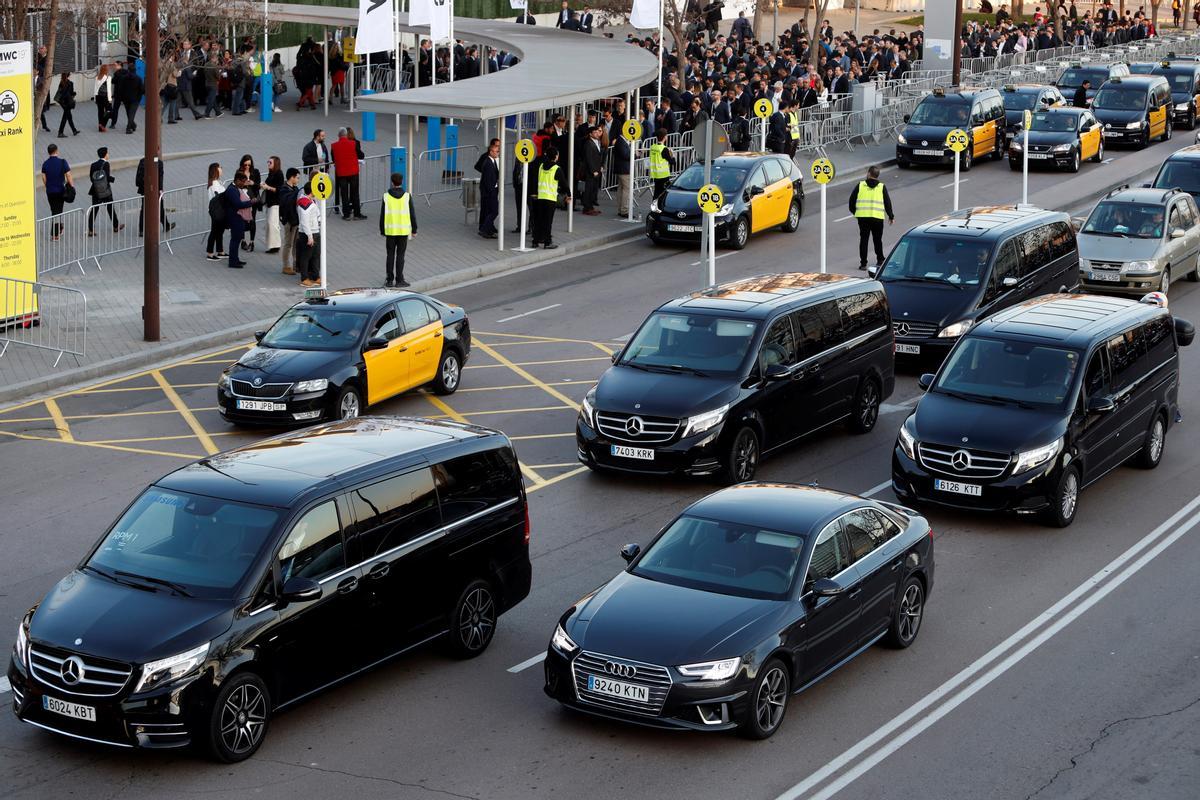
(1184, 77)
(1134, 110)
(761, 191)
(979, 112)
(1095, 74)
(1059, 137)
(332, 356)
(1022, 97)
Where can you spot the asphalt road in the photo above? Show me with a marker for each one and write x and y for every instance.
(1055, 664)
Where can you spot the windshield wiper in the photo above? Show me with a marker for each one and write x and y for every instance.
(643, 367)
(970, 398)
(115, 579)
(682, 368)
(1009, 400)
(175, 587)
(923, 279)
(1107, 233)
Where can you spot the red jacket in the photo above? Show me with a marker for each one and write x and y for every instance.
(345, 153)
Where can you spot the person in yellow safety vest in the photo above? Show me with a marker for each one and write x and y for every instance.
(551, 183)
(661, 162)
(870, 204)
(793, 121)
(397, 222)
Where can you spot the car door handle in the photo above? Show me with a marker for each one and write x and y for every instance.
(896, 564)
(348, 585)
(814, 369)
(379, 570)
(403, 349)
(855, 592)
(436, 334)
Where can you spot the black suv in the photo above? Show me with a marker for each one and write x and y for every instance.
(947, 273)
(712, 380)
(1041, 400)
(1184, 77)
(249, 580)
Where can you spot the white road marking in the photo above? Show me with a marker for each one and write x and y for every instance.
(843, 219)
(909, 717)
(5, 687)
(877, 489)
(951, 184)
(716, 258)
(1106, 161)
(624, 338)
(527, 313)
(529, 662)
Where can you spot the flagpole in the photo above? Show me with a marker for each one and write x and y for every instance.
(661, 44)
(452, 47)
(399, 58)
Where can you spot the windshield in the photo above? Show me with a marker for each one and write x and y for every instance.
(1075, 77)
(1120, 99)
(941, 114)
(1019, 101)
(316, 328)
(1054, 123)
(724, 557)
(1141, 68)
(190, 544)
(1182, 82)
(690, 342)
(730, 179)
(1184, 174)
(1019, 373)
(1133, 220)
(938, 259)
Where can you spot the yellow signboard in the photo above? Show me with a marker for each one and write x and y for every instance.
(763, 108)
(348, 50)
(710, 198)
(823, 170)
(631, 130)
(525, 150)
(18, 248)
(957, 140)
(322, 186)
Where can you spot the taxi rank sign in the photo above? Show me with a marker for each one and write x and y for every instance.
(17, 213)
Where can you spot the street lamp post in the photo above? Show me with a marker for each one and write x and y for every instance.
(151, 200)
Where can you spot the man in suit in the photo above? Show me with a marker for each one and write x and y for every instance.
(488, 167)
(127, 92)
(100, 175)
(238, 206)
(526, 18)
(139, 182)
(572, 23)
(841, 84)
(722, 111)
(564, 15)
(586, 20)
(592, 161)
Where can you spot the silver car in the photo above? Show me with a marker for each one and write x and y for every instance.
(1139, 240)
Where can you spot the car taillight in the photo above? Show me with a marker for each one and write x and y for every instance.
(527, 525)
(930, 531)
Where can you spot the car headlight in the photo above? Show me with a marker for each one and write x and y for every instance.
(726, 210)
(168, 669)
(1062, 148)
(21, 648)
(223, 381)
(655, 207)
(908, 445)
(702, 422)
(561, 642)
(1085, 264)
(586, 410)
(1143, 267)
(314, 385)
(1181, 106)
(1016, 145)
(1133, 126)
(900, 138)
(1037, 456)
(957, 329)
(711, 670)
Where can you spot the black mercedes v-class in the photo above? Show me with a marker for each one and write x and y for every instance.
(244, 582)
(1041, 400)
(713, 380)
(748, 596)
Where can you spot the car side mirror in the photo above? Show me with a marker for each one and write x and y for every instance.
(824, 587)
(1185, 332)
(1101, 404)
(776, 372)
(630, 551)
(1147, 186)
(615, 357)
(1009, 282)
(376, 343)
(1178, 233)
(300, 590)
(756, 190)
(259, 335)
(907, 116)
(925, 381)
(872, 271)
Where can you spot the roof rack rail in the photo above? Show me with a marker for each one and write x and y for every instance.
(1117, 189)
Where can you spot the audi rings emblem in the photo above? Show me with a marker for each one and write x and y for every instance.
(634, 426)
(620, 670)
(901, 329)
(72, 670)
(961, 460)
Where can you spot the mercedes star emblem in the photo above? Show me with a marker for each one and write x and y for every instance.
(620, 670)
(634, 426)
(72, 670)
(901, 329)
(961, 460)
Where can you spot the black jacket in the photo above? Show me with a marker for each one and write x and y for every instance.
(100, 165)
(412, 209)
(127, 86)
(1080, 98)
(287, 205)
(139, 180)
(526, 19)
(310, 157)
(592, 157)
(276, 181)
(489, 174)
(887, 199)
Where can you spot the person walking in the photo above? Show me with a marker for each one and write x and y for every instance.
(308, 238)
(347, 152)
(128, 90)
(239, 210)
(1080, 99)
(488, 167)
(551, 185)
(397, 222)
(593, 170)
(101, 191)
(140, 184)
(215, 248)
(104, 97)
(315, 156)
(289, 193)
(870, 204)
(65, 97)
(170, 97)
(271, 188)
(253, 190)
(56, 177)
(661, 162)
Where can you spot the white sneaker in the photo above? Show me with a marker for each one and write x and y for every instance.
(278, 110)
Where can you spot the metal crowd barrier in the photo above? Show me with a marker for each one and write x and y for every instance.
(43, 316)
(441, 170)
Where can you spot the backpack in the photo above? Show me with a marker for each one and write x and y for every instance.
(100, 187)
(216, 208)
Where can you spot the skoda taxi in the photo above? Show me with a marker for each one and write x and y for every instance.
(1134, 110)
(1022, 97)
(1059, 137)
(1184, 77)
(979, 112)
(332, 356)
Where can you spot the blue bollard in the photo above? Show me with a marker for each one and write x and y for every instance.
(399, 163)
(368, 122)
(433, 138)
(451, 151)
(266, 96)
(139, 69)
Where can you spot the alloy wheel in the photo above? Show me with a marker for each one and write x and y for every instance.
(1164, 284)
(911, 607)
(745, 456)
(477, 619)
(793, 217)
(349, 407)
(450, 372)
(772, 699)
(1070, 495)
(742, 233)
(1157, 438)
(243, 719)
(868, 409)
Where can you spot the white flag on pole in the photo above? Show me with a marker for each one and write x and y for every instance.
(418, 12)
(439, 19)
(517, 5)
(644, 14)
(374, 26)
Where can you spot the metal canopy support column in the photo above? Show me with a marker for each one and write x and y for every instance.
(571, 169)
(324, 93)
(503, 172)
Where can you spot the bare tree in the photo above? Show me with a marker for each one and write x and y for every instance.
(43, 89)
(12, 19)
(678, 17)
(1154, 4)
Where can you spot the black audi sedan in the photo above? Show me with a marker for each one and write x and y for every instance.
(243, 583)
(761, 190)
(332, 356)
(749, 596)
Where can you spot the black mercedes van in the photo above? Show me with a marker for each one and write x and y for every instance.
(245, 582)
(1041, 400)
(713, 380)
(945, 274)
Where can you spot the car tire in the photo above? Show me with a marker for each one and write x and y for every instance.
(1194, 275)
(1064, 503)
(449, 373)
(1191, 120)
(1144, 142)
(1150, 456)
(1015, 166)
(1074, 166)
(1001, 146)
(866, 407)
(348, 404)
(740, 233)
(1164, 281)
(473, 621)
(903, 164)
(767, 702)
(239, 718)
(1099, 157)
(967, 158)
(1168, 130)
(793, 218)
(908, 614)
(741, 459)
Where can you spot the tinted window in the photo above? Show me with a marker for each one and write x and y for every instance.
(387, 326)
(1095, 380)
(759, 178)
(779, 346)
(1159, 335)
(730, 179)
(315, 328)
(314, 548)
(414, 314)
(829, 556)
(1036, 249)
(775, 170)
(1010, 372)
(863, 313)
(818, 328)
(1183, 173)
(1115, 99)
(937, 259)
(474, 483)
(866, 529)
(434, 314)
(941, 113)
(1123, 354)
(690, 342)
(1007, 265)
(1062, 240)
(395, 511)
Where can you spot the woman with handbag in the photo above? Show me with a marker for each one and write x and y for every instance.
(215, 249)
(252, 188)
(170, 97)
(103, 96)
(65, 97)
(272, 187)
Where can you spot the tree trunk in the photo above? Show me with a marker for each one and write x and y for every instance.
(1186, 14)
(39, 101)
(1154, 13)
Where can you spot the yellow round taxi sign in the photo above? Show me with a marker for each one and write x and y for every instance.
(710, 198)
(322, 186)
(631, 130)
(957, 140)
(823, 170)
(525, 151)
(1028, 118)
(764, 108)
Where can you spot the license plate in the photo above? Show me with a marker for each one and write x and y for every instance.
(929, 152)
(644, 453)
(260, 405)
(1106, 277)
(1111, 134)
(626, 691)
(958, 488)
(683, 228)
(910, 349)
(1040, 155)
(72, 710)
